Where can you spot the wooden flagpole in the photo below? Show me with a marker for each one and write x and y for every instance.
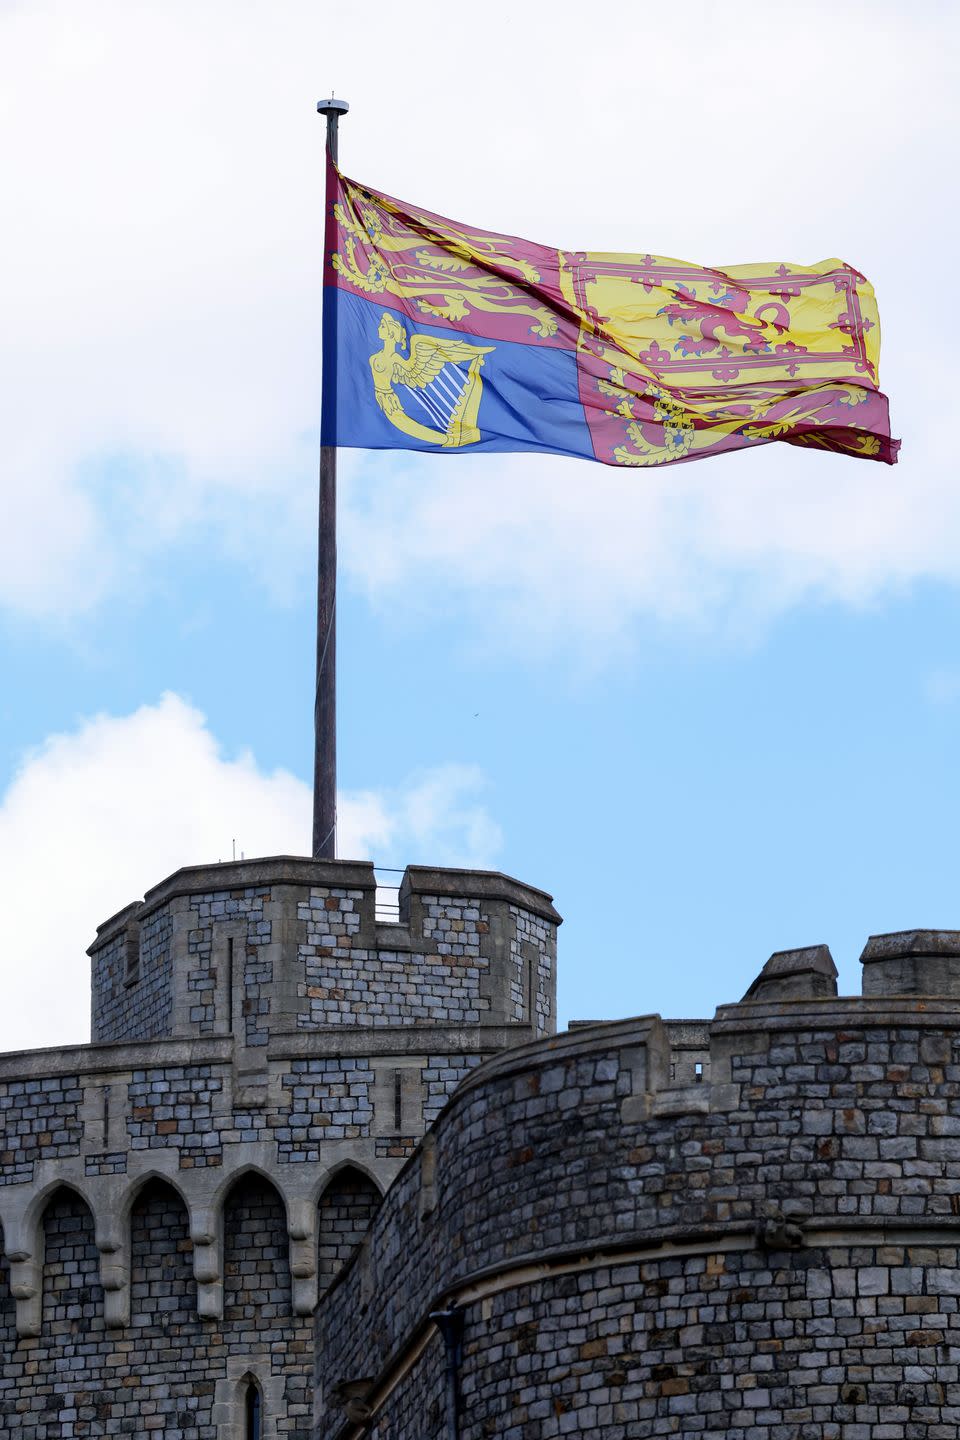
(325, 697)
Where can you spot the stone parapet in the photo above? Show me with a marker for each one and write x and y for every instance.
(263, 947)
(793, 974)
(770, 1250)
(912, 962)
(267, 1055)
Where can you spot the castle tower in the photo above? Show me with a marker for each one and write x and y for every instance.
(266, 1055)
(748, 1227)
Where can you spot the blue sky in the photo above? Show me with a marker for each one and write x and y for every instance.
(712, 709)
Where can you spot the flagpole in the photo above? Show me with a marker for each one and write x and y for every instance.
(325, 697)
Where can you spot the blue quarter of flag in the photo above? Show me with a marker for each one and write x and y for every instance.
(528, 394)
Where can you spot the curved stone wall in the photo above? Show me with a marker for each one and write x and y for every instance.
(770, 1252)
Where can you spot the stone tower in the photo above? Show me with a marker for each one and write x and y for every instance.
(266, 1055)
(747, 1227)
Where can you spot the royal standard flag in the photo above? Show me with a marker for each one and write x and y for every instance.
(450, 338)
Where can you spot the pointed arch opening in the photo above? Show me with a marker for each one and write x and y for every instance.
(72, 1293)
(256, 1261)
(163, 1292)
(346, 1209)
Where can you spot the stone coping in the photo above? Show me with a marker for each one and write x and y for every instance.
(337, 874)
(842, 1011)
(115, 923)
(482, 884)
(910, 943)
(420, 1039)
(335, 1042)
(241, 875)
(125, 1055)
(845, 1012)
(549, 1050)
(811, 970)
(840, 1230)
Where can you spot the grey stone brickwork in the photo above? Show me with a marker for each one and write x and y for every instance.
(835, 1342)
(329, 1100)
(348, 984)
(534, 950)
(132, 975)
(767, 1247)
(40, 1122)
(80, 1378)
(270, 946)
(348, 1205)
(440, 1077)
(175, 1195)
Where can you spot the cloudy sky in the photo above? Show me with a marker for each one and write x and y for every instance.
(713, 709)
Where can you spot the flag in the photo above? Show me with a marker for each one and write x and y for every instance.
(449, 338)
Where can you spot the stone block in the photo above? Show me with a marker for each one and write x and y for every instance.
(912, 962)
(795, 975)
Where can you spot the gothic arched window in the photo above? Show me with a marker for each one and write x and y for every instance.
(254, 1406)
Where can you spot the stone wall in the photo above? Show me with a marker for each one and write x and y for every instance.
(829, 1342)
(132, 994)
(175, 1196)
(768, 1248)
(39, 1122)
(8, 1340)
(347, 1207)
(264, 947)
(166, 1376)
(348, 984)
(321, 1132)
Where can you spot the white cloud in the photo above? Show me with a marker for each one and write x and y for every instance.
(161, 287)
(95, 817)
(573, 556)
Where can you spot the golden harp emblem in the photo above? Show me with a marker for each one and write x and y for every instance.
(441, 377)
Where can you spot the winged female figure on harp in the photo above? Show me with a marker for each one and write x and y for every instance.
(434, 376)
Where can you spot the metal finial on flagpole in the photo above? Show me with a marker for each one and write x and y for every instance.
(332, 109)
(325, 699)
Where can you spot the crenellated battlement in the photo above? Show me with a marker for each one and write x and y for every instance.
(268, 1057)
(258, 1032)
(261, 947)
(769, 1250)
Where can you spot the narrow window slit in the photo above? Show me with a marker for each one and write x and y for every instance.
(254, 1411)
(131, 971)
(228, 1006)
